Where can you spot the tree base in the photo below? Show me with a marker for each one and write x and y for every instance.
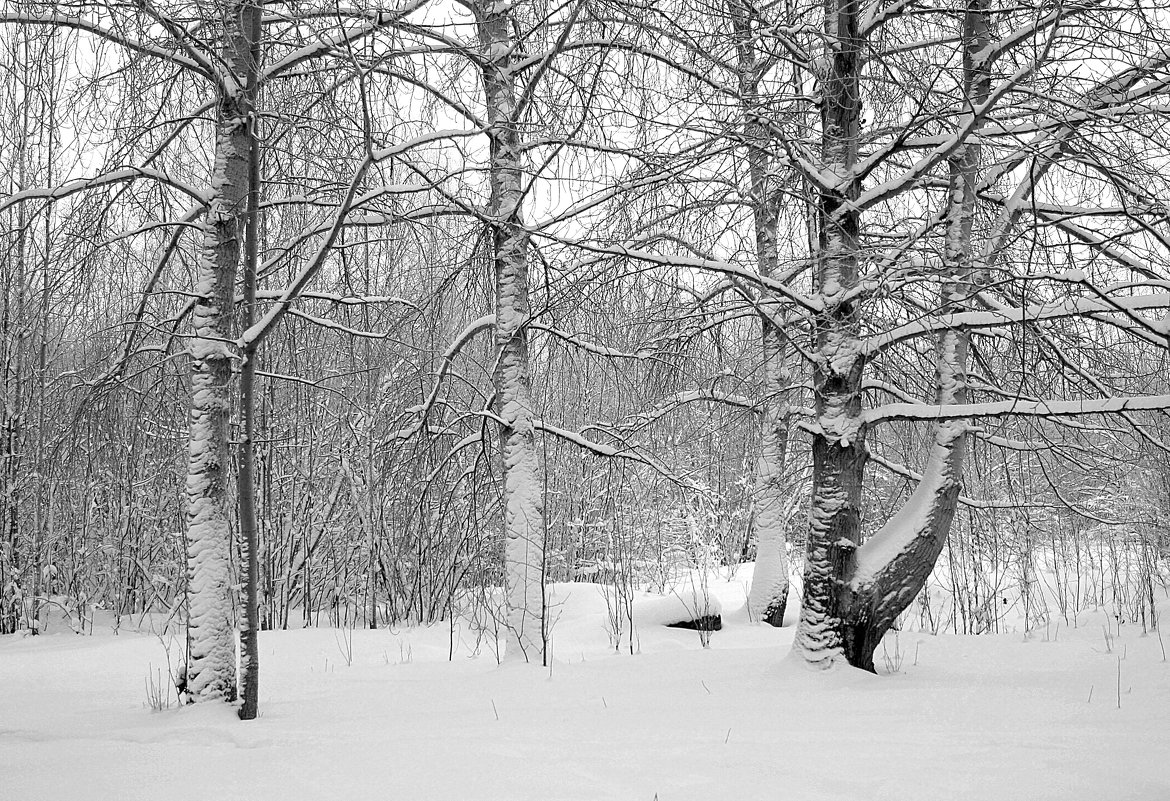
(774, 614)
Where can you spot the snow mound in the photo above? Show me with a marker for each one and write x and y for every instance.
(585, 601)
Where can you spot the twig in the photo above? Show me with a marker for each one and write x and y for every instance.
(1119, 682)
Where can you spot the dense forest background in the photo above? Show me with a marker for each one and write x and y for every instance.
(596, 257)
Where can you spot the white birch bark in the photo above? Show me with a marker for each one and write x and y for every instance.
(524, 556)
(768, 596)
(211, 668)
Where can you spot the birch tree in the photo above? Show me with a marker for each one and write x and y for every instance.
(211, 669)
(524, 526)
(772, 498)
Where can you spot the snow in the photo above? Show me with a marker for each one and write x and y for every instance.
(687, 603)
(903, 530)
(993, 717)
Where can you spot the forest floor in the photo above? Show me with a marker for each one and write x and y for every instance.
(1060, 713)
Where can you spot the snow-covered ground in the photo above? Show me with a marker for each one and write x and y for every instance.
(999, 717)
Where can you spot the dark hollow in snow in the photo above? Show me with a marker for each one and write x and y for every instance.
(703, 623)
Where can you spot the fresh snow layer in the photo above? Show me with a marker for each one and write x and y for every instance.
(995, 717)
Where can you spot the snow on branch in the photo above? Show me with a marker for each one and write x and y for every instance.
(708, 265)
(1009, 315)
(1017, 408)
(341, 300)
(121, 175)
(679, 399)
(589, 347)
(627, 452)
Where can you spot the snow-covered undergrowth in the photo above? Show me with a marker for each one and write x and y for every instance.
(1064, 714)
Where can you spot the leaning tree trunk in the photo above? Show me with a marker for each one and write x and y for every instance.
(768, 596)
(891, 568)
(211, 667)
(523, 505)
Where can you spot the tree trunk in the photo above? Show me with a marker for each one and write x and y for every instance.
(211, 669)
(246, 480)
(768, 596)
(11, 564)
(838, 446)
(14, 564)
(523, 503)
